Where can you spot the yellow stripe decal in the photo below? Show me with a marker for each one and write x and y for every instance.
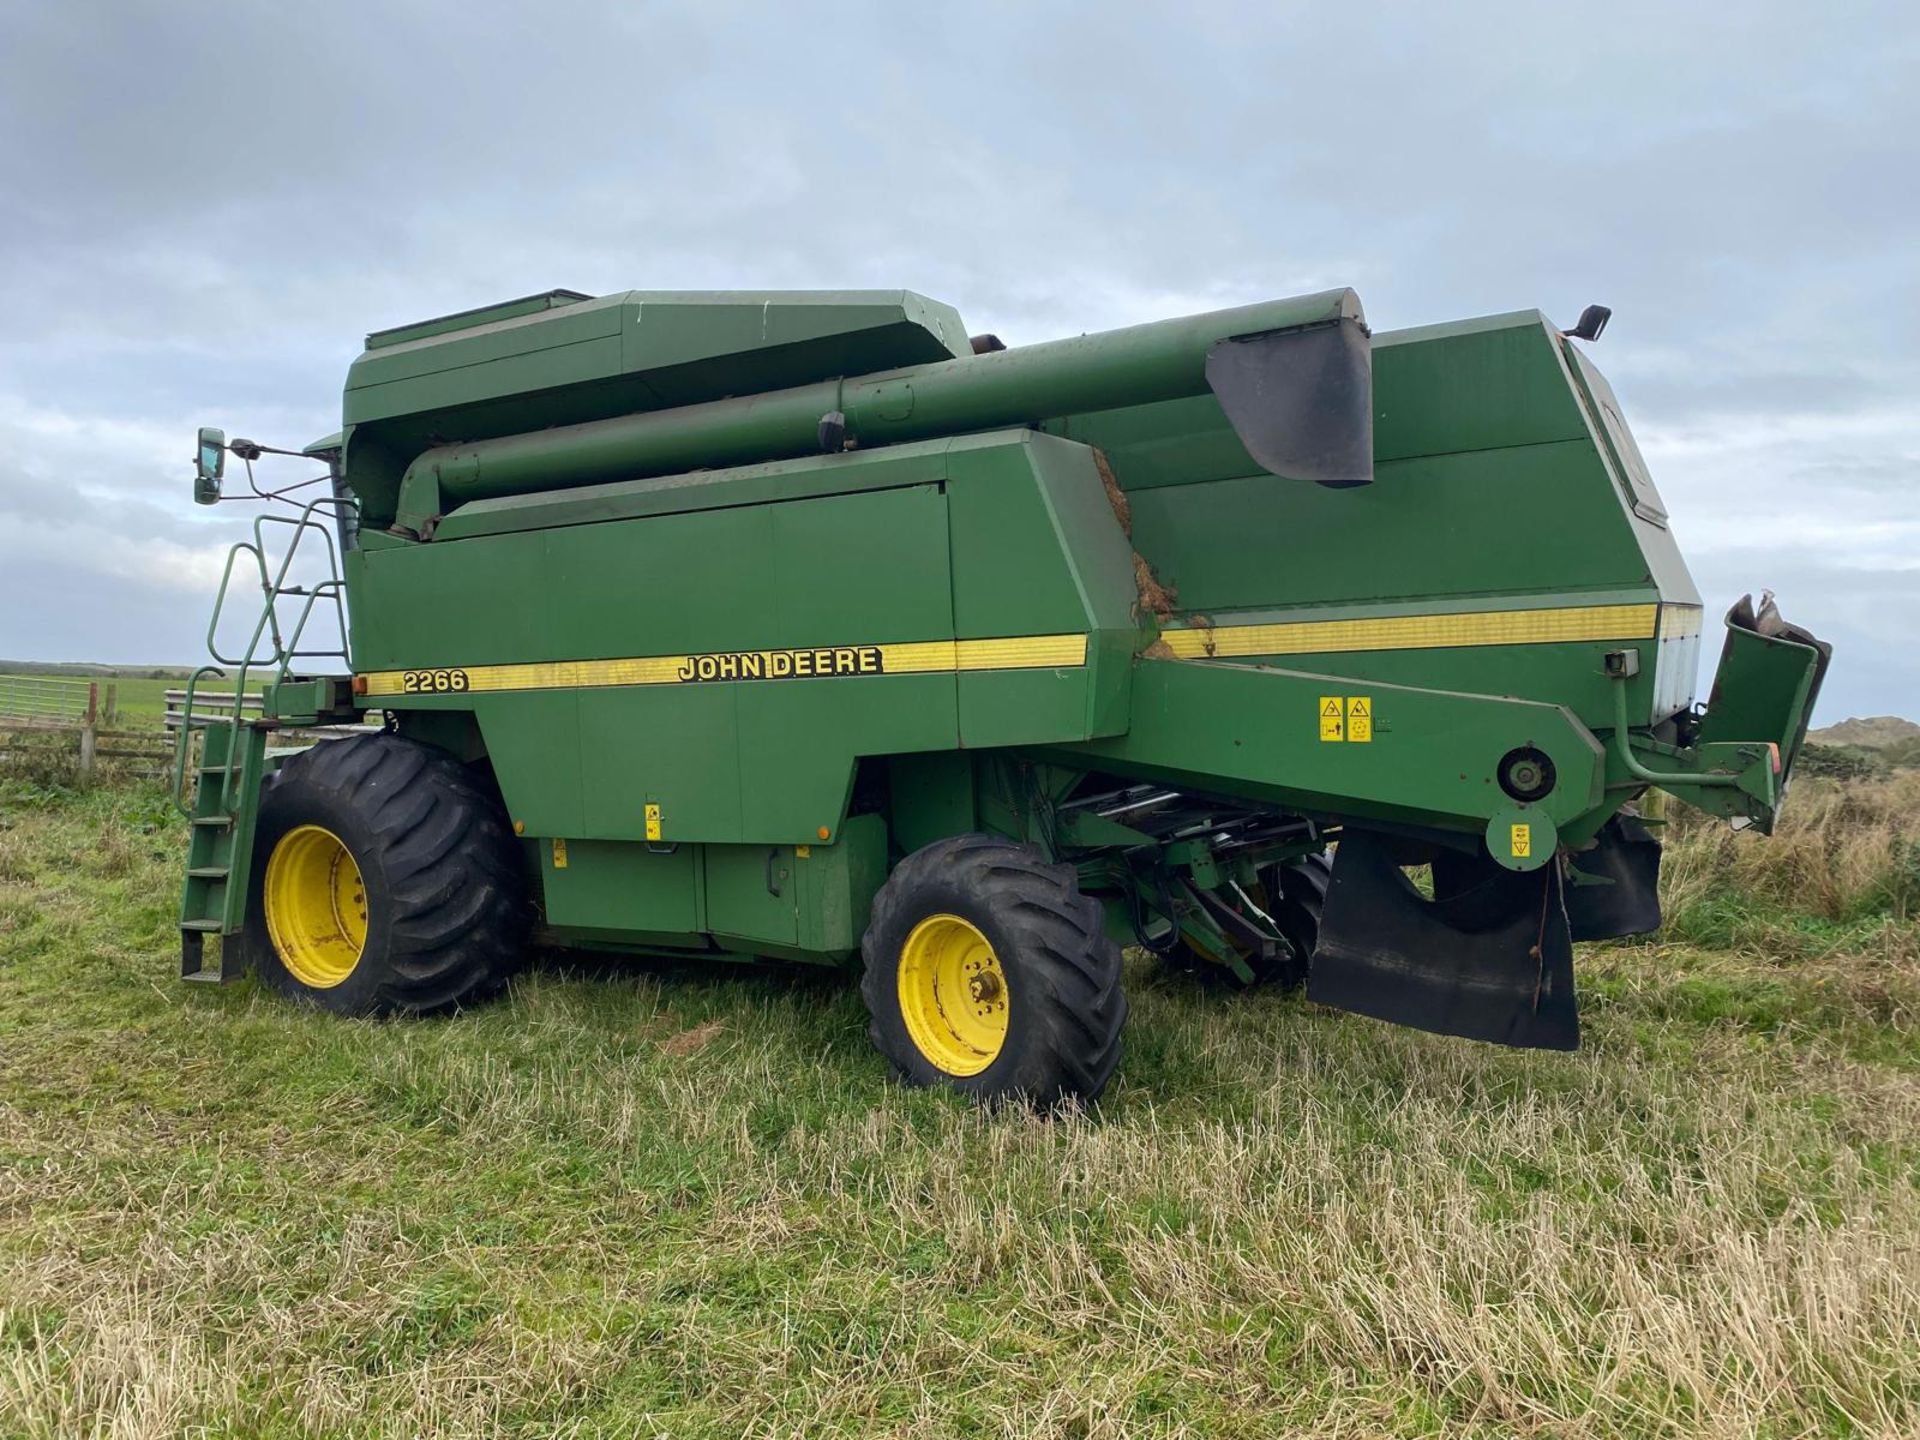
(1036, 652)
(921, 657)
(1416, 632)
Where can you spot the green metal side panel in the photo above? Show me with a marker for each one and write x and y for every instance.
(620, 354)
(725, 761)
(807, 901)
(1487, 384)
(536, 747)
(1169, 442)
(1038, 551)
(1016, 534)
(1498, 485)
(836, 886)
(771, 483)
(767, 339)
(1241, 730)
(931, 797)
(752, 897)
(1431, 528)
(622, 890)
(1570, 673)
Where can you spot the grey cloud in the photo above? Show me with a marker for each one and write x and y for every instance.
(202, 209)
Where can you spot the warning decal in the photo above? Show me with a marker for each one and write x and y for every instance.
(1346, 717)
(1522, 841)
(1359, 718)
(1332, 725)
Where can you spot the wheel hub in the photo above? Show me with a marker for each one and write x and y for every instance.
(316, 906)
(953, 994)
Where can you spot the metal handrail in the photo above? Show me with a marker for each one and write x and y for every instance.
(183, 737)
(284, 651)
(1623, 750)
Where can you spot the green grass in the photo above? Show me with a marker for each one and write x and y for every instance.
(688, 1202)
(140, 701)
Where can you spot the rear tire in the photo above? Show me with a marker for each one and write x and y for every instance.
(988, 971)
(1301, 889)
(385, 880)
(1293, 892)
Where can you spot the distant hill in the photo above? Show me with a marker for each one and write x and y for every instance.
(1879, 732)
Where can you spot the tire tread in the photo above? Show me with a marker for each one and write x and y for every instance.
(459, 909)
(1059, 938)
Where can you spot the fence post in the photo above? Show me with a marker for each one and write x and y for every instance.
(89, 735)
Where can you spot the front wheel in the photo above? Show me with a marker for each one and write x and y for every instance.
(987, 970)
(385, 879)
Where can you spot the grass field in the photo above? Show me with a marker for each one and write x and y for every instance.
(688, 1202)
(140, 701)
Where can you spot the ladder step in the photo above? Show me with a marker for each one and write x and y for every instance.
(210, 872)
(211, 927)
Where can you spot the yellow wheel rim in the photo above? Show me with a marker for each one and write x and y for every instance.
(953, 995)
(316, 907)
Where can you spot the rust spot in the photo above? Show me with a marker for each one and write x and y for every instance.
(1156, 599)
(1116, 497)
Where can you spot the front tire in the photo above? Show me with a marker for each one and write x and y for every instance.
(987, 970)
(385, 880)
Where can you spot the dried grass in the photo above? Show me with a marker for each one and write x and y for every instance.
(585, 1212)
(1840, 849)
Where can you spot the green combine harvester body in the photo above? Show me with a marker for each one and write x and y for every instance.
(798, 625)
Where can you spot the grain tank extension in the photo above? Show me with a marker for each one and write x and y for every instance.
(801, 626)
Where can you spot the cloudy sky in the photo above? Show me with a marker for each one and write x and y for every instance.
(203, 208)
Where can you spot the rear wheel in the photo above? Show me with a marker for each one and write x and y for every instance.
(1300, 891)
(385, 879)
(988, 970)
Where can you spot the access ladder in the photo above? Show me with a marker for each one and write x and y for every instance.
(229, 765)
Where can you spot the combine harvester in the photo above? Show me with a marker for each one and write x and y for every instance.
(802, 626)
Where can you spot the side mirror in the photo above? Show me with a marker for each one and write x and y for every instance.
(209, 464)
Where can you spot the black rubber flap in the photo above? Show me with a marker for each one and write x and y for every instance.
(1301, 401)
(1628, 858)
(1492, 960)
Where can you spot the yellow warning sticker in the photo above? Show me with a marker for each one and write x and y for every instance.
(803, 852)
(1332, 725)
(653, 822)
(1359, 718)
(1522, 841)
(559, 853)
